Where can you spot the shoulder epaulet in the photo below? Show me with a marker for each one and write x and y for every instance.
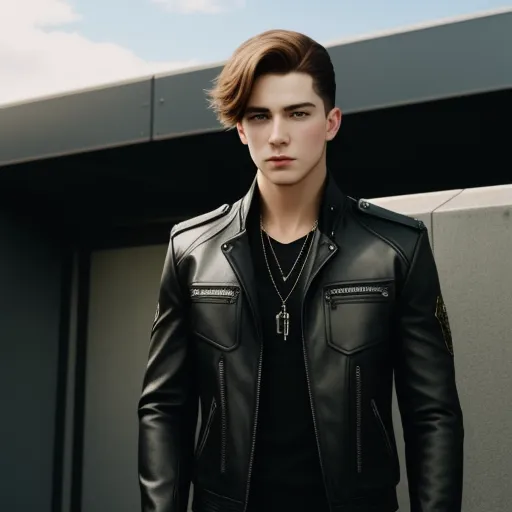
(372, 209)
(195, 222)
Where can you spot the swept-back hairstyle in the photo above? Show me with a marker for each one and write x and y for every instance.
(276, 52)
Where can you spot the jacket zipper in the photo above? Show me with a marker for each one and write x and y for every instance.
(308, 379)
(314, 414)
(255, 427)
(223, 415)
(383, 428)
(208, 425)
(359, 419)
(258, 386)
(222, 294)
(339, 294)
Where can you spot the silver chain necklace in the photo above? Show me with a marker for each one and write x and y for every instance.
(283, 317)
(285, 278)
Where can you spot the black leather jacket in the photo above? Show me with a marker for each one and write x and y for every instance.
(372, 309)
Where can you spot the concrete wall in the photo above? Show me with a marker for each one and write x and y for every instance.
(471, 233)
(30, 309)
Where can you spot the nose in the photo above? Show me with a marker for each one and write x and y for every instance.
(279, 134)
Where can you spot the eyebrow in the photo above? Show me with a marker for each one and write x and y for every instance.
(251, 110)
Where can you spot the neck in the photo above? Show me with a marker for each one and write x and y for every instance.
(290, 211)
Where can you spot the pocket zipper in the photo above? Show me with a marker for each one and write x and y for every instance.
(217, 294)
(336, 295)
(359, 404)
(223, 414)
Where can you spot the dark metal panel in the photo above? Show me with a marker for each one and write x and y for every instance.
(180, 104)
(464, 57)
(31, 303)
(443, 61)
(92, 119)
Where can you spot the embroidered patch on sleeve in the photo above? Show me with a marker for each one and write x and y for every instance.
(442, 317)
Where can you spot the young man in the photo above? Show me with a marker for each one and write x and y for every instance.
(286, 316)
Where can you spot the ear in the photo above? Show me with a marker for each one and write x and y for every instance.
(241, 133)
(333, 123)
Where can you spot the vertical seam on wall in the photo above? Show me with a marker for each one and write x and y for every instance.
(62, 375)
(432, 231)
(152, 108)
(67, 467)
(84, 266)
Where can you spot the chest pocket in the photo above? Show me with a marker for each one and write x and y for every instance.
(215, 314)
(357, 314)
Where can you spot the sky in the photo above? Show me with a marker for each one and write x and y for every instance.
(50, 47)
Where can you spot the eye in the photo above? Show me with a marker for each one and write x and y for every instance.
(300, 114)
(258, 117)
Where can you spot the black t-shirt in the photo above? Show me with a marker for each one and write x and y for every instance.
(286, 473)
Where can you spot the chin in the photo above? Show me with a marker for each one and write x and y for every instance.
(284, 177)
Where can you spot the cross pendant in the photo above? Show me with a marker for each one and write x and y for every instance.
(283, 322)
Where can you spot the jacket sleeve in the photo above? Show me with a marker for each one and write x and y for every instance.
(168, 405)
(426, 390)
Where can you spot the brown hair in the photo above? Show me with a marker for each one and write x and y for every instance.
(274, 51)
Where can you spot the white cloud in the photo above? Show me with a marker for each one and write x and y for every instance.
(40, 54)
(200, 6)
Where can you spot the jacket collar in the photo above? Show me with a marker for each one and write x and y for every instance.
(333, 205)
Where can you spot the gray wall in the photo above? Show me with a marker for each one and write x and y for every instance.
(123, 295)
(30, 280)
(471, 233)
(97, 118)
(473, 244)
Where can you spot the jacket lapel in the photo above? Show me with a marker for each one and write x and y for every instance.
(237, 251)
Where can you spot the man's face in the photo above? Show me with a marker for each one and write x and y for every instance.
(286, 128)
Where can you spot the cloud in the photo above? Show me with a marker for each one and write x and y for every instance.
(200, 6)
(40, 54)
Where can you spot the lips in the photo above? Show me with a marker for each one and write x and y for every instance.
(280, 159)
(280, 162)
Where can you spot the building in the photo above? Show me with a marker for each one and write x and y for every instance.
(116, 166)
